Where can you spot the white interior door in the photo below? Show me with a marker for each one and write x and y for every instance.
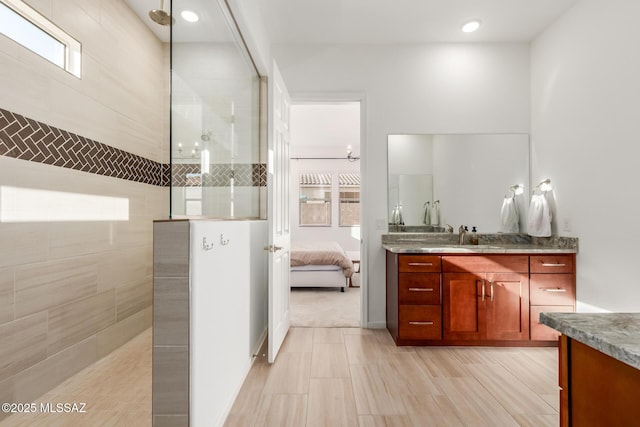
(278, 210)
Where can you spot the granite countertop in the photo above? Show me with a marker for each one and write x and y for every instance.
(614, 334)
(433, 243)
(435, 248)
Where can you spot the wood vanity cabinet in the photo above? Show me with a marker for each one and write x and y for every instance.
(596, 389)
(485, 298)
(552, 282)
(460, 299)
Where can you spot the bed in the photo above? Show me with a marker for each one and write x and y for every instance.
(319, 264)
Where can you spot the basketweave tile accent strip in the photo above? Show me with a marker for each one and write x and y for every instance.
(27, 139)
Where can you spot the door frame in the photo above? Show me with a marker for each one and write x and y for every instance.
(337, 97)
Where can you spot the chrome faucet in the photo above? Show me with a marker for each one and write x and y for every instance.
(461, 232)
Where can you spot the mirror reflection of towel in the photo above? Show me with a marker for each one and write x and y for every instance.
(427, 218)
(539, 221)
(435, 214)
(509, 216)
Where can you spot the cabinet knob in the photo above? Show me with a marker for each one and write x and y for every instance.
(421, 289)
(421, 323)
(428, 264)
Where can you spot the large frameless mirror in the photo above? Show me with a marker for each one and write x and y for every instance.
(466, 176)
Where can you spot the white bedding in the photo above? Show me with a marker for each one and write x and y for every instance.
(320, 253)
(316, 268)
(319, 264)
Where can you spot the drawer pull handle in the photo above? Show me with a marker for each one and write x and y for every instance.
(547, 264)
(421, 323)
(421, 289)
(428, 264)
(553, 290)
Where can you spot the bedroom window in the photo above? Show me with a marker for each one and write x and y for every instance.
(27, 27)
(315, 199)
(349, 184)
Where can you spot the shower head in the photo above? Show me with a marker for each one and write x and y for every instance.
(159, 16)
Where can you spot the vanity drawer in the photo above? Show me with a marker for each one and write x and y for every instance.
(485, 264)
(418, 264)
(419, 288)
(420, 322)
(540, 332)
(552, 289)
(559, 263)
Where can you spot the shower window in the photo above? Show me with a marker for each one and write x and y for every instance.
(215, 127)
(315, 199)
(29, 28)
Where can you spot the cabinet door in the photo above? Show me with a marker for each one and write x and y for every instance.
(463, 306)
(507, 306)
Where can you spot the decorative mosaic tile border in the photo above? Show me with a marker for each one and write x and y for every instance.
(27, 139)
(244, 175)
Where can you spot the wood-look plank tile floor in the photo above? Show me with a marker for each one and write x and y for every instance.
(336, 377)
(358, 377)
(116, 390)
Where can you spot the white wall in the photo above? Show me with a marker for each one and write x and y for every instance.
(584, 127)
(438, 88)
(226, 327)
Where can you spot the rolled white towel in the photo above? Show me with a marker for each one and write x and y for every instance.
(539, 220)
(509, 217)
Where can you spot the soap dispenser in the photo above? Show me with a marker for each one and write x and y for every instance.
(474, 236)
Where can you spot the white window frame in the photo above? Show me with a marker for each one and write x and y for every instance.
(326, 202)
(73, 48)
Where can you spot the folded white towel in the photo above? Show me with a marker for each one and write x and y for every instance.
(539, 220)
(435, 214)
(509, 216)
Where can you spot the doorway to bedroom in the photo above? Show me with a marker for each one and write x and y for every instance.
(325, 214)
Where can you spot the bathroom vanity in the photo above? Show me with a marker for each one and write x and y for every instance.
(599, 357)
(440, 293)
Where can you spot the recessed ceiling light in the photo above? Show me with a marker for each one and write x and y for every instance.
(471, 26)
(189, 16)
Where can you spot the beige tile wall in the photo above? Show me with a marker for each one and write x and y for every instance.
(71, 292)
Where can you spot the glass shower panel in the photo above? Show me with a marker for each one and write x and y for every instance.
(215, 98)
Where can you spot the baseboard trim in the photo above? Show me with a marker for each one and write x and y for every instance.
(376, 325)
